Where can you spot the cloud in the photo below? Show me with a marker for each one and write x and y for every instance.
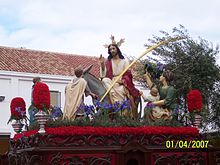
(82, 27)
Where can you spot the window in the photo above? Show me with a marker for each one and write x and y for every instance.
(55, 98)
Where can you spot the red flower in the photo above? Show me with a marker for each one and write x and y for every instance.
(18, 108)
(41, 96)
(194, 100)
(107, 131)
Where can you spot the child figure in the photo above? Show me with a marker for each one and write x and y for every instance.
(154, 96)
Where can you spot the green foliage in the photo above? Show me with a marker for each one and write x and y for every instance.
(105, 121)
(33, 125)
(194, 65)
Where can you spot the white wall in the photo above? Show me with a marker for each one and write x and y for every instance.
(5, 90)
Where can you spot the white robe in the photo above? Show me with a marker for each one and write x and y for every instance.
(74, 97)
(118, 92)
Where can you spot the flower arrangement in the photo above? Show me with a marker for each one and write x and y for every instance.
(102, 114)
(18, 109)
(41, 97)
(108, 131)
(105, 107)
(116, 107)
(55, 112)
(194, 101)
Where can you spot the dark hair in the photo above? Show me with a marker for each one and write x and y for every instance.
(169, 76)
(36, 79)
(118, 51)
(78, 72)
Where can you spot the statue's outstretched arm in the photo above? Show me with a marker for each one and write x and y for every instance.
(148, 80)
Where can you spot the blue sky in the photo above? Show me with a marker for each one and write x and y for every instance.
(83, 27)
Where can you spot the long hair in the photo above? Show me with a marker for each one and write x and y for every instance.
(169, 76)
(118, 51)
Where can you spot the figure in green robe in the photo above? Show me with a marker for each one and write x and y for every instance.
(167, 101)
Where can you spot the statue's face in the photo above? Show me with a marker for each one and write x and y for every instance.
(113, 50)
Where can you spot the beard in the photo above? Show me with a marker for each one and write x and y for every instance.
(114, 54)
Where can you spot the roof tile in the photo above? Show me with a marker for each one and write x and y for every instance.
(43, 62)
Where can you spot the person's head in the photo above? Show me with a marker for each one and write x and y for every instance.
(114, 50)
(78, 71)
(167, 76)
(36, 80)
(154, 91)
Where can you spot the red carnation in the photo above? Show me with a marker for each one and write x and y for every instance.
(18, 108)
(109, 131)
(41, 96)
(194, 100)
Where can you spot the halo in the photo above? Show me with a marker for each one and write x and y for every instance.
(114, 42)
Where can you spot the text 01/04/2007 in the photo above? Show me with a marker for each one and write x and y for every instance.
(187, 144)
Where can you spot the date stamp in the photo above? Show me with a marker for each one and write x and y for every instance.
(187, 144)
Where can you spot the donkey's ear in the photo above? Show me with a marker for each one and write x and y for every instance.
(87, 69)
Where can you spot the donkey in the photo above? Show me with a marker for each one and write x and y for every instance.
(96, 86)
